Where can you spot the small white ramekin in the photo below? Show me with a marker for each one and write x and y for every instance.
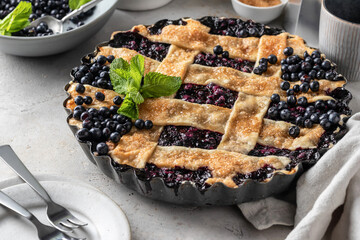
(258, 14)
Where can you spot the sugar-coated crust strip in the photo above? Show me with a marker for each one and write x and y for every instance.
(244, 125)
(276, 134)
(163, 111)
(223, 164)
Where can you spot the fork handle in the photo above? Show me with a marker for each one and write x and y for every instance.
(83, 8)
(13, 161)
(10, 203)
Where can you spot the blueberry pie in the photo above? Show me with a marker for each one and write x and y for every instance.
(254, 102)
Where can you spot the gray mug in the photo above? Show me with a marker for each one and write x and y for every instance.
(339, 35)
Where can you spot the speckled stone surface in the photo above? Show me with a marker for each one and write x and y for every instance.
(33, 122)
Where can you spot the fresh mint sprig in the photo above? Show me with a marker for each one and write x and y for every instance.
(17, 20)
(75, 4)
(129, 80)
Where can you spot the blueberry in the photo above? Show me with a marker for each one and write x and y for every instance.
(283, 61)
(293, 68)
(78, 75)
(339, 77)
(323, 116)
(101, 60)
(302, 101)
(326, 65)
(291, 60)
(314, 86)
(83, 134)
(96, 133)
(308, 123)
(310, 109)
(139, 123)
(296, 88)
(316, 68)
(111, 125)
(316, 54)
(115, 137)
(93, 112)
(320, 104)
(79, 100)
(285, 76)
(329, 75)
(285, 114)
(225, 54)
(104, 111)
(320, 74)
(100, 96)
(218, 50)
(282, 105)
(334, 118)
(113, 109)
(325, 124)
(87, 124)
(128, 126)
(257, 71)
(262, 67)
(110, 58)
(331, 104)
(306, 54)
(263, 61)
(315, 117)
(148, 124)
(294, 131)
(285, 85)
(294, 77)
(300, 121)
(288, 51)
(304, 87)
(85, 115)
(308, 60)
(305, 78)
(102, 148)
(80, 88)
(306, 67)
(79, 108)
(272, 59)
(88, 100)
(106, 133)
(84, 68)
(275, 98)
(312, 74)
(291, 100)
(85, 80)
(102, 83)
(273, 112)
(317, 61)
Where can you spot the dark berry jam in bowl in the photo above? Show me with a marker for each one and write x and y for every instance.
(52, 44)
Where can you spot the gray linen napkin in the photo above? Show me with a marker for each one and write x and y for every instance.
(332, 182)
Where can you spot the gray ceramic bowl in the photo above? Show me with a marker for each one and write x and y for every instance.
(49, 45)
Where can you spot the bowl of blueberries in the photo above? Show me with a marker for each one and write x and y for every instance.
(18, 38)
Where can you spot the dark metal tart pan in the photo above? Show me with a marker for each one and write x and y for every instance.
(187, 192)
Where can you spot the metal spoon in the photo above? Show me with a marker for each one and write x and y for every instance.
(58, 25)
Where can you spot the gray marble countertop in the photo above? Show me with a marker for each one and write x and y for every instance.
(33, 122)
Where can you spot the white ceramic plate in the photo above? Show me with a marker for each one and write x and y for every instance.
(105, 219)
(57, 43)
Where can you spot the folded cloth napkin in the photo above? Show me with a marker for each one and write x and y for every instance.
(334, 181)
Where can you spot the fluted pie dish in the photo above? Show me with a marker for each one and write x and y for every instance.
(255, 107)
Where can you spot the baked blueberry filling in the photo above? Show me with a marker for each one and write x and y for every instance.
(237, 28)
(189, 137)
(212, 60)
(139, 43)
(159, 25)
(259, 175)
(209, 94)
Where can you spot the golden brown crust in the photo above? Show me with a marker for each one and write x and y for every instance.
(244, 125)
(164, 111)
(223, 164)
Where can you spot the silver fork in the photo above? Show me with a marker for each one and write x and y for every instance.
(44, 232)
(58, 216)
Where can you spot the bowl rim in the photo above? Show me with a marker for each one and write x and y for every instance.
(282, 4)
(77, 29)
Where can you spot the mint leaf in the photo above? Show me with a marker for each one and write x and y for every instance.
(136, 97)
(75, 4)
(158, 85)
(17, 20)
(137, 68)
(129, 108)
(119, 80)
(120, 63)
